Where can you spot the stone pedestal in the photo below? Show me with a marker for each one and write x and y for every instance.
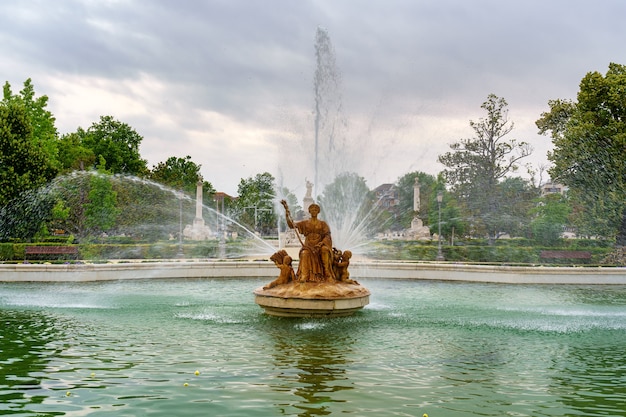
(418, 230)
(312, 299)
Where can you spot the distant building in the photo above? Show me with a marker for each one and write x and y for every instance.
(553, 188)
(387, 196)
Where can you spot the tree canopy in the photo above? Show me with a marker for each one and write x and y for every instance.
(255, 206)
(476, 166)
(23, 164)
(589, 154)
(118, 143)
(180, 174)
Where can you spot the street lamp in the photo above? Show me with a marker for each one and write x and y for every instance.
(439, 253)
(180, 224)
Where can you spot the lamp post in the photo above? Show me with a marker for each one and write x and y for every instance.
(180, 224)
(439, 253)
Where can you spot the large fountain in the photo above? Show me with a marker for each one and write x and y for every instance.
(322, 286)
(190, 344)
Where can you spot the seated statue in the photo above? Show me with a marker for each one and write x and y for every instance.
(316, 254)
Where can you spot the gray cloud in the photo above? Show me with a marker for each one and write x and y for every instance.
(230, 82)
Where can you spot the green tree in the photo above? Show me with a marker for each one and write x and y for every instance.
(550, 217)
(73, 155)
(118, 144)
(283, 193)
(23, 164)
(101, 209)
(476, 166)
(44, 131)
(453, 222)
(255, 207)
(589, 154)
(348, 209)
(517, 199)
(181, 174)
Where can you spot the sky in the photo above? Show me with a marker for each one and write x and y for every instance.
(231, 83)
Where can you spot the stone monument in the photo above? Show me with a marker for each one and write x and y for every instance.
(198, 230)
(321, 286)
(417, 230)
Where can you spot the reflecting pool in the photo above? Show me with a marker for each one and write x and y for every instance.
(130, 348)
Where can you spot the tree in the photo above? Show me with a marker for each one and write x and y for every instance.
(589, 154)
(73, 154)
(118, 143)
(406, 193)
(255, 207)
(23, 164)
(181, 174)
(453, 223)
(283, 193)
(551, 216)
(476, 166)
(517, 199)
(347, 208)
(44, 132)
(101, 209)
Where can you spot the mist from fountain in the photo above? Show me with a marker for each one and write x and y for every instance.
(336, 156)
(153, 212)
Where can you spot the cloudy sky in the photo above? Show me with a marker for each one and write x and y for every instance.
(230, 82)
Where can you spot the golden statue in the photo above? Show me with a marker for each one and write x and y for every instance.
(316, 254)
(322, 286)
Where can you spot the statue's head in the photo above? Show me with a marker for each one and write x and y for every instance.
(347, 254)
(314, 208)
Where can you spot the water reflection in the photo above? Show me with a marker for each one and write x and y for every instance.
(26, 348)
(311, 361)
(591, 377)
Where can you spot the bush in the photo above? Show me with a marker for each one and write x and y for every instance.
(6, 252)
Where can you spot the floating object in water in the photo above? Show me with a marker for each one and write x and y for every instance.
(197, 372)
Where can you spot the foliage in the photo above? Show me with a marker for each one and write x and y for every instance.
(517, 200)
(551, 216)
(453, 222)
(589, 155)
(23, 164)
(73, 154)
(180, 174)
(347, 207)
(151, 212)
(476, 166)
(254, 207)
(283, 193)
(405, 211)
(101, 209)
(44, 132)
(118, 144)
(506, 252)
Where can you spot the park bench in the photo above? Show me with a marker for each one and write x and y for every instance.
(45, 251)
(565, 254)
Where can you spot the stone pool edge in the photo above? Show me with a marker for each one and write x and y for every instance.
(88, 272)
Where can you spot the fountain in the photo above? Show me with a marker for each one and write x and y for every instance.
(322, 286)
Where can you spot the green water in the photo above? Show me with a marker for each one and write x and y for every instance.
(128, 348)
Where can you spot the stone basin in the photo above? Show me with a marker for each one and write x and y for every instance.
(312, 299)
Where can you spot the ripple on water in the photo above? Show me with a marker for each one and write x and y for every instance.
(420, 347)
